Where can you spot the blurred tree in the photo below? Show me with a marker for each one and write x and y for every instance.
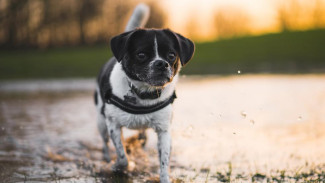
(319, 14)
(118, 17)
(15, 22)
(231, 22)
(191, 26)
(88, 9)
(46, 23)
(288, 13)
(295, 15)
(157, 17)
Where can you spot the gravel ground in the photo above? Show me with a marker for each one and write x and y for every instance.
(245, 128)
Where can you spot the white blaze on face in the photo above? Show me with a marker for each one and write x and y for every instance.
(152, 71)
(156, 50)
(157, 57)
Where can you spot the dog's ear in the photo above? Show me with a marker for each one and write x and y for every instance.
(185, 46)
(119, 44)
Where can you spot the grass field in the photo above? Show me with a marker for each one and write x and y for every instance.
(289, 52)
(53, 63)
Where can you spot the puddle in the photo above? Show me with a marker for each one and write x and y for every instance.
(244, 128)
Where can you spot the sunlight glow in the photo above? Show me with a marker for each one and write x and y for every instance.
(197, 19)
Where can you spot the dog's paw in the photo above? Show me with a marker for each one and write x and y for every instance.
(107, 158)
(106, 155)
(120, 165)
(164, 179)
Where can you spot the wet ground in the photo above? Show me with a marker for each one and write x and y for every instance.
(259, 128)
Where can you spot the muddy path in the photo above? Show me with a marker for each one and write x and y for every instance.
(225, 129)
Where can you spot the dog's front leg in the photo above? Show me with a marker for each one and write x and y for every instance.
(115, 133)
(164, 147)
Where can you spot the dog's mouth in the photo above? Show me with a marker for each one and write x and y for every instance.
(160, 80)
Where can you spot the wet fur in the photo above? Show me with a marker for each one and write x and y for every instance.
(125, 68)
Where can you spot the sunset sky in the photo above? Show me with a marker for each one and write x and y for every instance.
(263, 14)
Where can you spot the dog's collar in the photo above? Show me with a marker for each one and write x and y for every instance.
(145, 95)
(127, 106)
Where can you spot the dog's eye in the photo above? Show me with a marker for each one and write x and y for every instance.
(171, 56)
(142, 56)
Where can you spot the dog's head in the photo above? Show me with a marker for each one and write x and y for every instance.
(153, 56)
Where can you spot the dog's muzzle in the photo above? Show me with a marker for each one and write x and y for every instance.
(160, 73)
(161, 65)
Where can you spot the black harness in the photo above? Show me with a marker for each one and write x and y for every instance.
(145, 95)
(127, 106)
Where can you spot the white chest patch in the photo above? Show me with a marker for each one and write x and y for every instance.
(158, 120)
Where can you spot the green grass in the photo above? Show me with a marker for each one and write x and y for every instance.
(53, 63)
(289, 52)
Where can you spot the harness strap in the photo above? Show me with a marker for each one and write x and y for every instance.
(145, 94)
(133, 109)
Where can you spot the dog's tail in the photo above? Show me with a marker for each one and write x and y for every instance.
(139, 17)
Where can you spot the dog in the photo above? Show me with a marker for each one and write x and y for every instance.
(136, 88)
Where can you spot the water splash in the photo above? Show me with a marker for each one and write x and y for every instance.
(243, 113)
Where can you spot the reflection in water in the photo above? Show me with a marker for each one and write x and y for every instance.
(247, 128)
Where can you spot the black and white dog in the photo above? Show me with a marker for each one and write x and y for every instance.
(136, 87)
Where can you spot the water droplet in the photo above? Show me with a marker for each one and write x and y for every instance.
(3, 128)
(252, 121)
(189, 128)
(234, 133)
(212, 113)
(243, 113)
(299, 118)
(238, 71)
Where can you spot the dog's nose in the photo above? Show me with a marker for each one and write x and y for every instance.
(161, 65)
